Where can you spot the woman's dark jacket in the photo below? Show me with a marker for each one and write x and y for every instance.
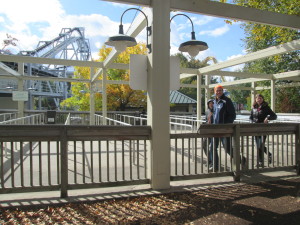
(260, 113)
(224, 111)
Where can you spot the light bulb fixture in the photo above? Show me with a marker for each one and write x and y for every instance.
(193, 47)
(121, 41)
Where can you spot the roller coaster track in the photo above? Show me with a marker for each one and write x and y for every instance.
(70, 44)
(59, 46)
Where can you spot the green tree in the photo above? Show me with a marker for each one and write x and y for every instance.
(118, 96)
(260, 36)
(194, 64)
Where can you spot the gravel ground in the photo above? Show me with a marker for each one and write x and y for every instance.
(270, 202)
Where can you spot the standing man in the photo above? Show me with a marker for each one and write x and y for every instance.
(224, 112)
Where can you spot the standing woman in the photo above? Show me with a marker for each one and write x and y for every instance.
(209, 112)
(261, 113)
(208, 120)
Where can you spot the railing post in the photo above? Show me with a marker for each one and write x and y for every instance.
(236, 153)
(64, 163)
(297, 152)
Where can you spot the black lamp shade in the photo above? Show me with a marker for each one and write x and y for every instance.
(121, 42)
(193, 47)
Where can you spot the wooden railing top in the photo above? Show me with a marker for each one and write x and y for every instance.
(72, 132)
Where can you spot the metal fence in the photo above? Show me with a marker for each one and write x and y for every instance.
(8, 116)
(30, 120)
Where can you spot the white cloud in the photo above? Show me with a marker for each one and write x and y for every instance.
(22, 13)
(119, 5)
(202, 20)
(216, 32)
(236, 67)
(32, 21)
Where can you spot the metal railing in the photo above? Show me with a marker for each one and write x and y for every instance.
(100, 120)
(26, 120)
(8, 116)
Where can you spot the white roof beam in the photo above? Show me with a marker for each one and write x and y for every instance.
(236, 82)
(9, 70)
(58, 79)
(287, 75)
(236, 12)
(240, 74)
(39, 60)
(280, 49)
(228, 11)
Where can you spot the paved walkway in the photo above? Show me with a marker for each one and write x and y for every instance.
(84, 195)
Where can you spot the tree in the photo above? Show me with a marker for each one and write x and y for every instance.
(194, 64)
(259, 36)
(119, 96)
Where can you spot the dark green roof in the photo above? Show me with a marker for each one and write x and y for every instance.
(177, 97)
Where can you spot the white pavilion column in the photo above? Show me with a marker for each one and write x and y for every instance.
(273, 95)
(20, 88)
(207, 90)
(199, 98)
(104, 97)
(158, 105)
(253, 92)
(92, 99)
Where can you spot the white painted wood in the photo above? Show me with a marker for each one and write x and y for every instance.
(138, 72)
(273, 95)
(92, 99)
(174, 73)
(4, 68)
(240, 74)
(21, 104)
(287, 75)
(158, 105)
(235, 82)
(199, 99)
(104, 97)
(39, 60)
(253, 92)
(280, 49)
(229, 11)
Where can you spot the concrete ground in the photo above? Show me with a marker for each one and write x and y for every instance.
(89, 195)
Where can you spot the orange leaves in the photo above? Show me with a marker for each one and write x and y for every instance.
(119, 96)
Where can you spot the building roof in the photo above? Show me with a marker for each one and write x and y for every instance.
(177, 97)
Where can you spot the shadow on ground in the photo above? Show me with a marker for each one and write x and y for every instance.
(265, 202)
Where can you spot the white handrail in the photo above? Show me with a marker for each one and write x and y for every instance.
(26, 120)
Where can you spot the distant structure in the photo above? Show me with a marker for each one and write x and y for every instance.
(70, 44)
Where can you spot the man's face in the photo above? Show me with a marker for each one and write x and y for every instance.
(219, 92)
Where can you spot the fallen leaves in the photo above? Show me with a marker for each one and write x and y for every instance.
(207, 206)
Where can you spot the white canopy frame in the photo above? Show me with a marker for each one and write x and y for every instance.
(158, 14)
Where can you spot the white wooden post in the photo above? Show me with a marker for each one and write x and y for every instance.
(92, 99)
(273, 95)
(199, 98)
(253, 93)
(159, 95)
(20, 88)
(104, 98)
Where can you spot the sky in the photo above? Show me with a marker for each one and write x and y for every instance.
(31, 21)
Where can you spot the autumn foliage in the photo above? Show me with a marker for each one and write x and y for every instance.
(119, 96)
